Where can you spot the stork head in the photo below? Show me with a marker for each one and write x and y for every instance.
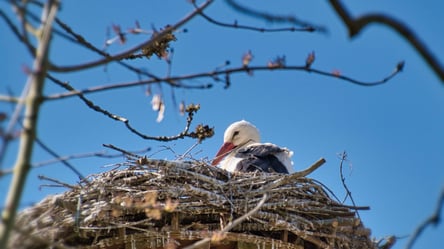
(237, 135)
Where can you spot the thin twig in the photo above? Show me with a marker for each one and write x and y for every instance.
(16, 32)
(343, 156)
(434, 219)
(245, 27)
(93, 106)
(125, 152)
(56, 155)
(215, 74)
(185, 154)
(125, 54)
(54, 30)
(101, 154)
(289, 178)
(355, 25)
(80, 40)
(11, 25)
(58, 182)
(271, 17)
(15, 117)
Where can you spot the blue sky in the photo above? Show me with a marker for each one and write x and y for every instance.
(393, 133)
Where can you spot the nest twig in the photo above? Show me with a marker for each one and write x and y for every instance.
(163, 204)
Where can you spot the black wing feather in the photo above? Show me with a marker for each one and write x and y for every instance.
(260, 158)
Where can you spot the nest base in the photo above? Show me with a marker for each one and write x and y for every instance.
(163, 204)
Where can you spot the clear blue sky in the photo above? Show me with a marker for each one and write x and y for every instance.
(393, 133)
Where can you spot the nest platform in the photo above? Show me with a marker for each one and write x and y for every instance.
(164, 204)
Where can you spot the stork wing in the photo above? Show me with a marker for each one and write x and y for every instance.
(260, 157)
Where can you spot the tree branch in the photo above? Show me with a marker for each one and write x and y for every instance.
(434, 219)
(13, 121)
(80, 40)
(355, 25)
(273, 18)
(201, 132)
(128, 52)
(34, 97)
(56, 155)
(100, 154)
(245, 27)
(215, 76)
(343, 158)
(15, 30)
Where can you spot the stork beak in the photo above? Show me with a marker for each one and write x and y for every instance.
(223, 151)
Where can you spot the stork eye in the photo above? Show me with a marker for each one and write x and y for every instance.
(235, 134)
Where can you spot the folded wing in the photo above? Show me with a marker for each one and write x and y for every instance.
(264, 157)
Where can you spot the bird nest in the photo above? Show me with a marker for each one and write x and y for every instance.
(164, 204)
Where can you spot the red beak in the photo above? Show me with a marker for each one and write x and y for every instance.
(223, 151)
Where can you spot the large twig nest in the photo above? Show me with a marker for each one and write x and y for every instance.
(163, 204)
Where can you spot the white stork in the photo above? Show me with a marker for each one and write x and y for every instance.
(242, 151)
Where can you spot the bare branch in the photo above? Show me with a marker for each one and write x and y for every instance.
(13, 122)
(54, 154)
(15, 30)
(434, 219)
(10, 24)
(128, 52)
(101, 154)
(201, 132)
(172, 81)
(397, 70)
(274, 18)
(343, 158)
(290, 178)
(355, 25)
(35, 81)
(88, 102)
(11, 99)
(58, 182)
(124, 152)
(55, 31)
(226, 73)
(245, 27)
(80, 40)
